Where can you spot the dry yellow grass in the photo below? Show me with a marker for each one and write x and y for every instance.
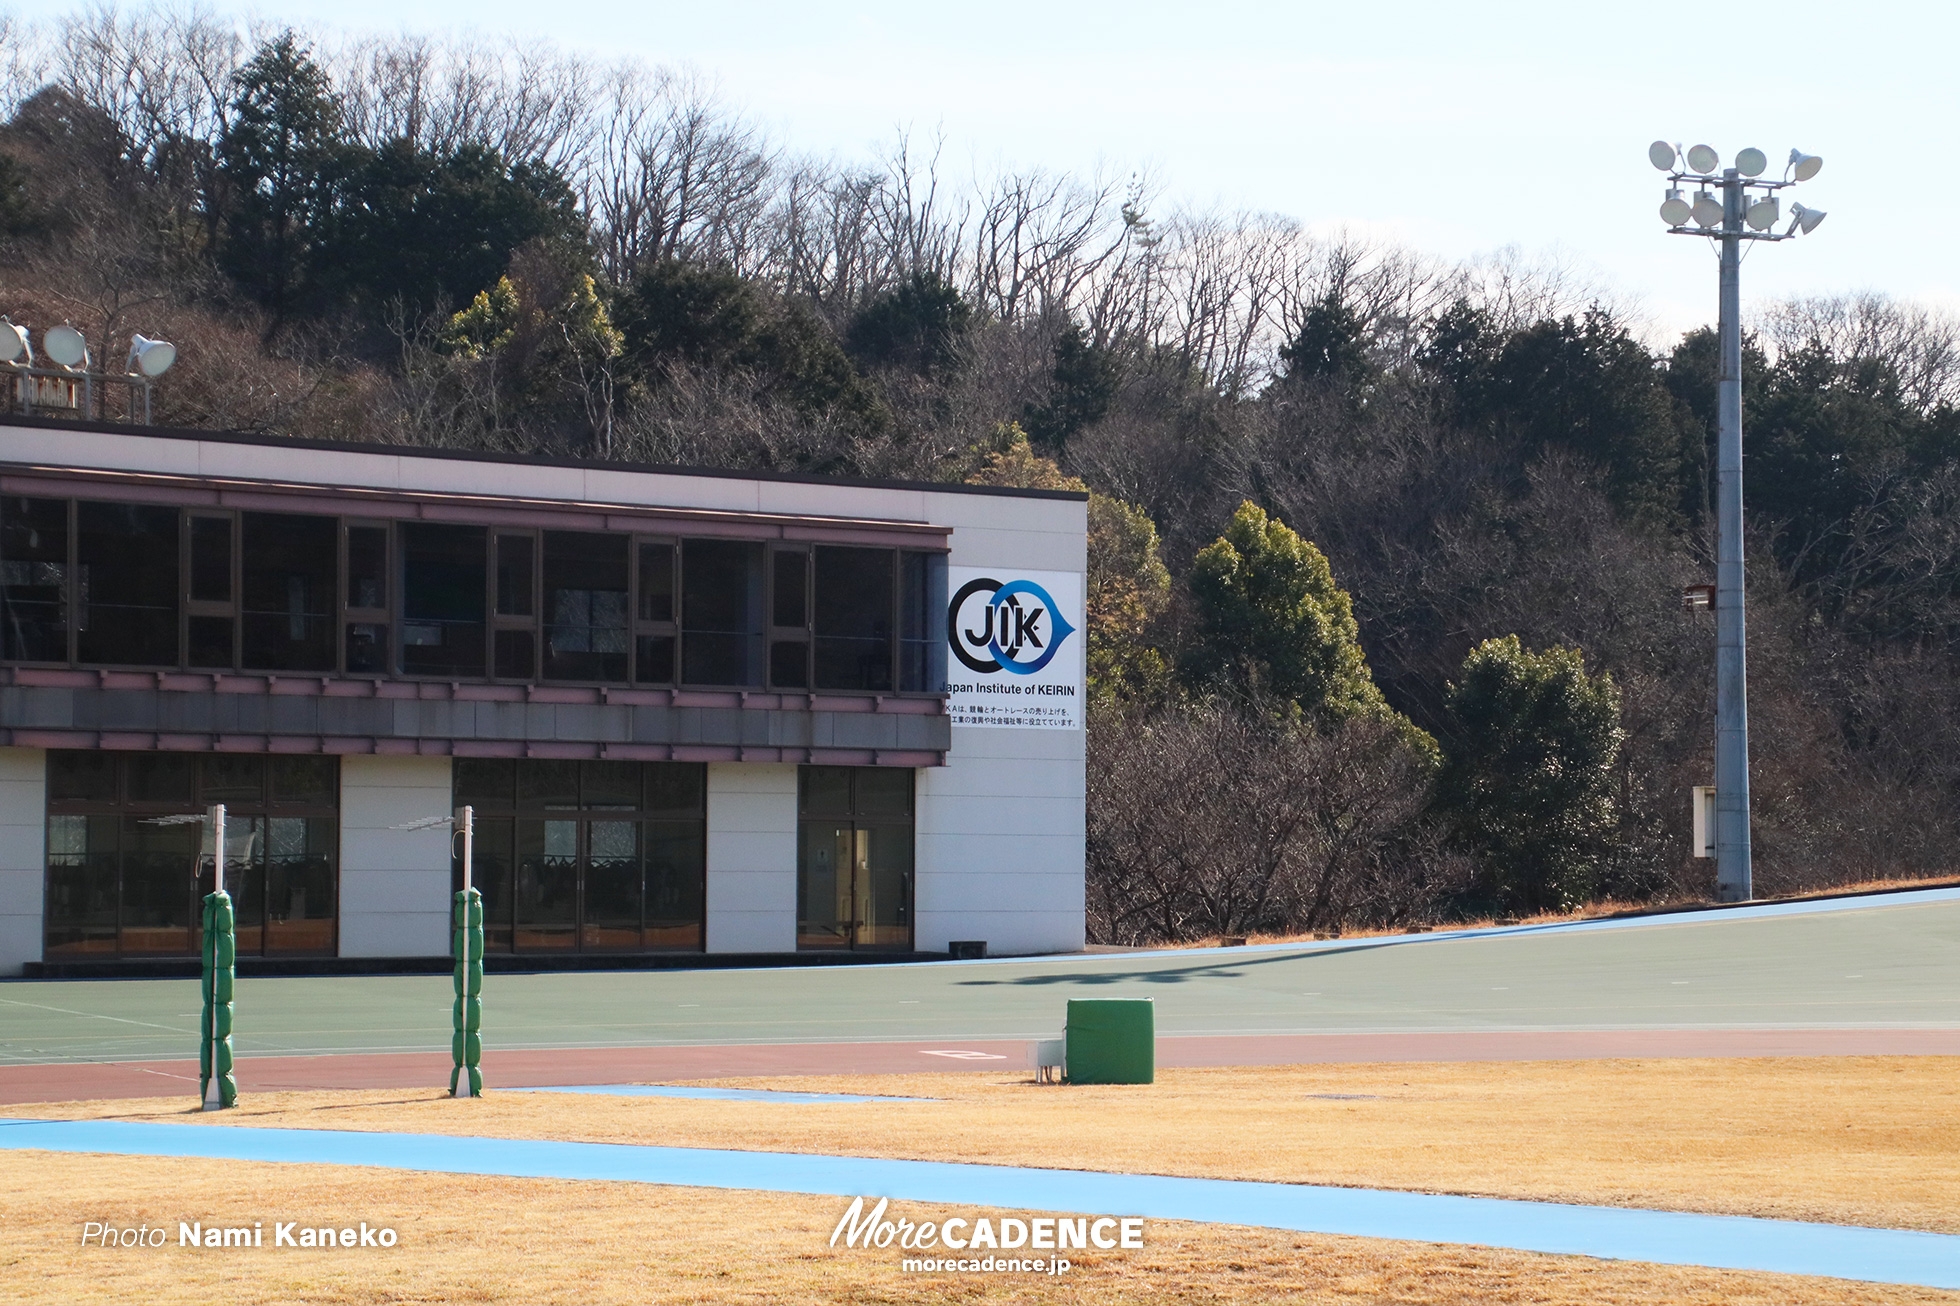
(469, 1240)
(1855, 1140)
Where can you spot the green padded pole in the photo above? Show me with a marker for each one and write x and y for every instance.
(215, 1083)
(466, 1046)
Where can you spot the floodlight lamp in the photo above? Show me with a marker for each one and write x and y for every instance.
(1803, 219)
(65, 345)
(1707, 209)
(1751, 162)
(1703, 158)
(1804, 166)
(1762, 215)
(1662, 155)
(1675, 211)
(13, 344)
(151, 358)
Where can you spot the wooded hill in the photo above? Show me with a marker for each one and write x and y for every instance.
(1387, 553)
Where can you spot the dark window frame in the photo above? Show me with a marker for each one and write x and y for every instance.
(123, 808)
(386, 621)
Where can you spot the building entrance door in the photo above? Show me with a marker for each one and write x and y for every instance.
(854, 870)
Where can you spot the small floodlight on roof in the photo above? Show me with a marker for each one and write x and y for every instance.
(1663, 155)
(1703, 158)
(1751, 162)
(1707, 210)
(1804, 166)
(65, 345)
(151, 358)
(1762, 215)
(13, 344)
(1674, 210)
(1804, 219)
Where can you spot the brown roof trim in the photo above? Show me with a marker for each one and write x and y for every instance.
(463, 455)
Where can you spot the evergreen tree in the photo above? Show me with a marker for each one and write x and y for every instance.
(1081, 387)
(1528, 780)
(284, 165)
(917, 326)
(1274, 626)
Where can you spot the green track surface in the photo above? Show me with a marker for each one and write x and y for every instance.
(1867, 963)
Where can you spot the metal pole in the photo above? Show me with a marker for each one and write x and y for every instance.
(1732, 868)
(213, 1087)
(217, 818)
(466, 823)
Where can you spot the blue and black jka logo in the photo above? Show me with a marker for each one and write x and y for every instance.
(1018, 630)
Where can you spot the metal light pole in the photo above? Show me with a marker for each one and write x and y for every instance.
(1737, 216)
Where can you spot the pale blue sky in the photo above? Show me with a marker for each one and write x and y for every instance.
(1455, 128)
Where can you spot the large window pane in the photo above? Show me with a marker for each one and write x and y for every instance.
(367, 567)
(81, 777)
(288, 592)
(159, 778)
(922, 622)
(585, 606)
(490, 875)
(81, 909)
(127, 584)
(443, 588)
(547, 885)
(721, 612)
(308, 781)
(299, 884)
(231, 778)
(485, 783)
(853, 618)
(211, 559)
(515, 563)
(675, 788)
(656, 582)
(34, 579)
(823, 884)
(612, 885)
(158, 887)
(676, 861)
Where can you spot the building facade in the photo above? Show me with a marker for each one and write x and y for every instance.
(690, 712)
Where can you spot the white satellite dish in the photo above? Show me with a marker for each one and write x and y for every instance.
(1751, 162)
(13, 344)
(1703, 158)
(1662, 155)
(65, 345)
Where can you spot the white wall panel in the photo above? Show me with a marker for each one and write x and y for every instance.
(23, 855)
(751, 857)
(394, 884)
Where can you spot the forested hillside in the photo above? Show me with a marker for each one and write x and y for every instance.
(1387, 553)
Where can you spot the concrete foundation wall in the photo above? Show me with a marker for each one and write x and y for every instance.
(394, 884)
(23, 855)
(751, 858)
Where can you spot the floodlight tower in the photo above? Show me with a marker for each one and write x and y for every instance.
(1730, 216)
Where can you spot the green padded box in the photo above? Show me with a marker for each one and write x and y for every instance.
(1111, 1041)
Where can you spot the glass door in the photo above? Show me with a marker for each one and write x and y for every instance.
(854, 869)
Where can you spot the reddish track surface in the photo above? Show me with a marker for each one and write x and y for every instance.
(79, 1081)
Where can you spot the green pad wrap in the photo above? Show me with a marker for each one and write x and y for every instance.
(1111, 1041)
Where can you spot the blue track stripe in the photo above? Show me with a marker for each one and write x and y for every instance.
(1669, 1238)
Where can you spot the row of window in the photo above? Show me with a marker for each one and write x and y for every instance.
(121, 884)
(569, 855)
(138, 585)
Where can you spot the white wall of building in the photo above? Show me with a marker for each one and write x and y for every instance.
(394, 884)
(751, 857)
(23, 855)
(1001, 827)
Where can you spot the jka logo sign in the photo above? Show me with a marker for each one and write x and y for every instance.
(1016, 642)
(1014, 626)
